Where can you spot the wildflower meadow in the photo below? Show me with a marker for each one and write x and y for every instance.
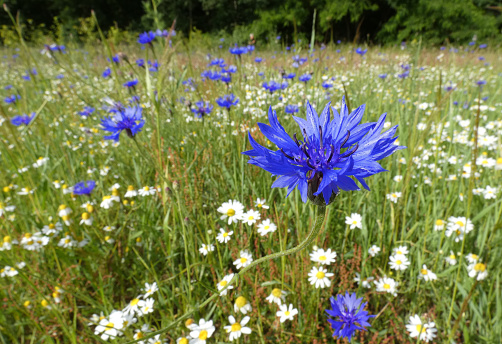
(161, 190)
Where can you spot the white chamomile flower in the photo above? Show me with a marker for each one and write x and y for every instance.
(366, 283)
(426, 274)
(201, 332)
(266, 226)
(107, 202)
(260, 203)
(140, 333)
(319, 277)
(373, 250)
(477, 270)
(150, 289)
(206, 248)
(387, 284)
(427, 332)
(87, 219)
(451, 259)
(147, 191)
(250, 217)
(323, 257)
(286, 312)
(134, 306)
(242, 304)
(394, 196)
(236, 329)
(245, 258)
(147, 306)
(110, 327)
(232, 210)
(439, 225)
(472, 258)
(401, 250)
(130, 192)
(223, 283)
(354, 221)
(224, 236)
(277, 296)
(399, 262)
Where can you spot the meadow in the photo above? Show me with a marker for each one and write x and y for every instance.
(120, 232)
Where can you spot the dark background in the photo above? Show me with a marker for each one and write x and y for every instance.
(372, 21)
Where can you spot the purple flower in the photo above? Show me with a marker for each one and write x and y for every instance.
(22, 120)
(84, 188)
(305, 77)
(129, 119)
(227, 101)
(131, 83)
(146, 37)
(201, 109)
(12, 99)
(348, 315)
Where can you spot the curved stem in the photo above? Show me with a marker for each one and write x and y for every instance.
(316, 229)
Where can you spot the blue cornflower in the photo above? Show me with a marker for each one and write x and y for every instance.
(131, 83)
(231, 69)
(331, 154)
(218, 62)
(24, 119)
(382, 76)
(361, 51)
(107, 73)
(226, 78)
(273, 86)
(481, 82)
(140, 62)
(84, 188)
(129, 119)
(115, 59)
(154, 66)
(238, 50)
(305, 77)
(327, 85)
(227, 101)
(12, 99)
(87, 111)
(404, 75)
(482, 46)
(146, 37)
(289, 76)
(258, 59)
(291, 109)
(201, 109)
(349, 315)
(213, 75)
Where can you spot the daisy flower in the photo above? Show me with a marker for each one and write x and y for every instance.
(319, 277)
(250, 217)
(387, 284)
(323, 257)
(107, 202)
(244, 259)
(140, 333)
(439, 225)
(399, 262)
(277, 296)
(63, 210)
(146, 306)
(232, 210)
(427, 332)
(205, 249)
(366, 283)
(86, 219)
(223, 283)
(401, 250)
(266, 226)
(147, 191)
(4, 208)
(110, 327)
(286, 312)
(426, 274)
(260, 203)
(477, 270)
(150, 289)
(26, 191)
(451, 259)
(183, 340)
(394, 196)
(201, 332)
(373, 250)
(236, 329)
(133, 306)
(242, 304)
(224, 236)
(472, 258)
(52, 229)
(354, 221)
(458, 226)
(130, 192)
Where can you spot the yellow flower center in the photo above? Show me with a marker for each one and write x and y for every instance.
(259, 205)
(138, 239)
(86, 216)
(109, 326)
(423, 271)
(287, 313)
(480, 267)
(236, 327)
(6, 189)
(420, 328)
(52, 226)
(130, 188)
(27, 303)
(398, 262)
(241, 301)
(230, 212)
(62, 207)
(65, 218)
(225, 234)
(439, 222)
(243, 260)
(29, 242)
(458, 232)
(188, 322)
(266, 227)
(320, 275)
(115, 192)
(183, 341)
(6, 238)
(106, 198)
(203, 335)
(223, 283)
(146, 188)
(67, 241)
(399, 252)
(44, 303)
(474, 256)
(134, 302)
(452, 256)
(386, 286)
(89, 208)
(354, 222)
(251, 218)
(323, 258)
(460, 223)
(277, 292)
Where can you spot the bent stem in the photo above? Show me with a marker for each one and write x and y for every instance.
(316, 229)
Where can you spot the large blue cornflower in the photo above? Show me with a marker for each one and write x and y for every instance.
(332, 152)
(201, 109)
(12, 99)
(227, 101)
(129, 119)
(22, 120)
(131, 83)
(146, 37)
(349, 315)
(273, 86)
(305, 77)
(84, 188)
(238, 50)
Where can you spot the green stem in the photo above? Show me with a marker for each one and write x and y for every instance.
(316, 229)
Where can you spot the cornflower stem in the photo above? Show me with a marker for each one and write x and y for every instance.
(314, 232)
(469, 201)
